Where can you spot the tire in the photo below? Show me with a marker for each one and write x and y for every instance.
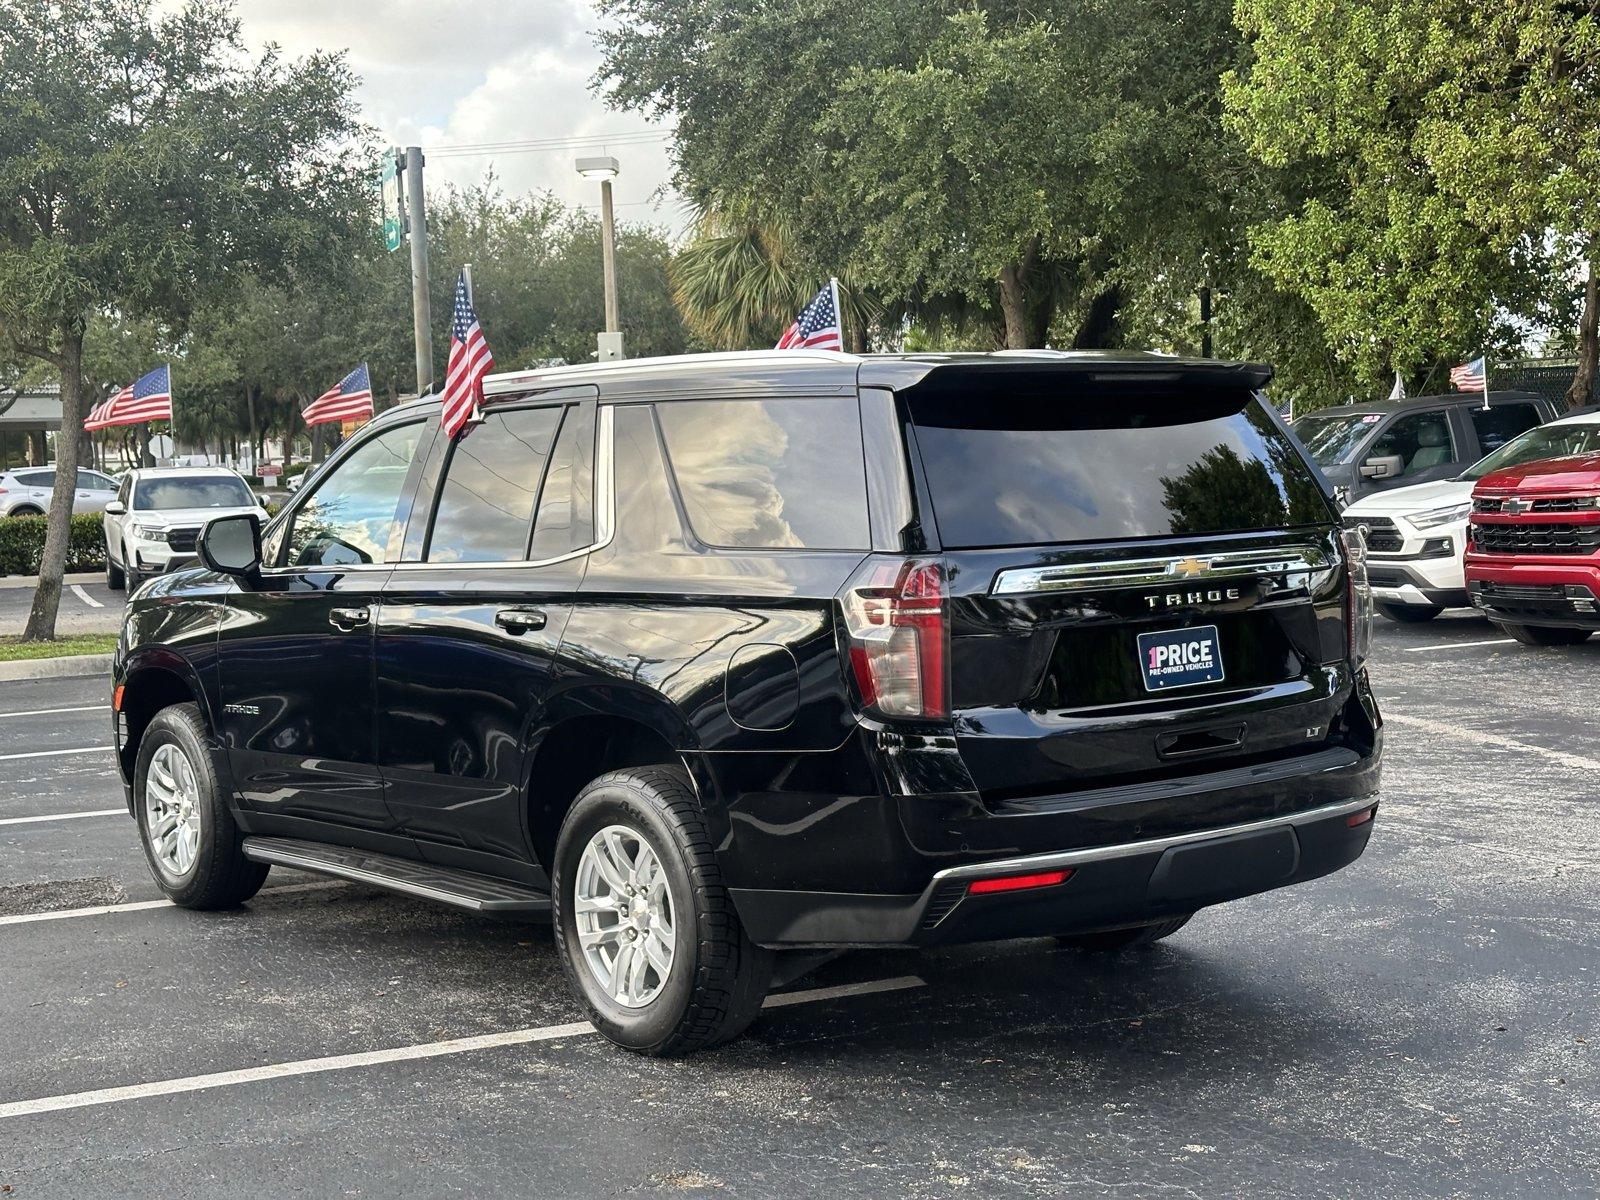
(1410, 614)
(116, 579)
(217, 875)
(1108, 940)
(716, 977)
(1546, 635)
(26, 510)
(132, 577)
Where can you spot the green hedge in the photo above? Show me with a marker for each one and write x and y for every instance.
(22, 544)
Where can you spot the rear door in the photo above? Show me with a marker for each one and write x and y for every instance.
(471, 620)
(1139, 580)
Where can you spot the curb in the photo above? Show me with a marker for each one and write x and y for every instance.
(32, 581)
(56, 668)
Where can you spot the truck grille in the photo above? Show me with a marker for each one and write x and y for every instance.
(1537, 539)
(1382, 535)
(182, 541)
(1494, 504)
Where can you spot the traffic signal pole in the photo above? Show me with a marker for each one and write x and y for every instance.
(417, 218)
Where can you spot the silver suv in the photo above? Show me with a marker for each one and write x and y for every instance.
(25, 491)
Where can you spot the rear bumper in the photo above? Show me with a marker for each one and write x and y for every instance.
(1521, 590)
(1122, 884)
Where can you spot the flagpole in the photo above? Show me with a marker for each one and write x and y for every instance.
(838, 313)
(1486, 379)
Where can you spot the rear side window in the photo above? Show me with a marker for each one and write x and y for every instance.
(1010, 468)
(770, 474)
(1501, 423)
(485, 509)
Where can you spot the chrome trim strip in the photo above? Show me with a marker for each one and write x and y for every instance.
(1074, 858)
(1150, 572)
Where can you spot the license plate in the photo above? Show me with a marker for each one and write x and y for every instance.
(1177, 658)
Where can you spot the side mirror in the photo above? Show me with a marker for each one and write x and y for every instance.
(115, 508)
(1383, 466)
(232, 545)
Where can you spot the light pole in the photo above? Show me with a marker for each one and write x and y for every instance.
(605, 168)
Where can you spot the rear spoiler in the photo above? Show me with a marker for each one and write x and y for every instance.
(1037, 370)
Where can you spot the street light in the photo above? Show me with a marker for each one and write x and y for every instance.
(605, 168)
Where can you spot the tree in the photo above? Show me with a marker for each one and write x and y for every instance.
(145, 164)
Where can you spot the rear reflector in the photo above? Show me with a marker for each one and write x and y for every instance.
(1017, 883)
(116, 698)
(1355, 820)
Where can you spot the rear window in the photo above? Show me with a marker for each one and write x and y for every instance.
(770, 474)
(1009, 469)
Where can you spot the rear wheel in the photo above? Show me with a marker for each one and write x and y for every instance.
(1546, 635)
(1410, 614)
(27, 510)
(647, 933)
(189, 836)
(1124, 939)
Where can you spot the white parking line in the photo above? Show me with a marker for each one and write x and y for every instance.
(370, 1058)
(55, 753)
(47, 712)
(1484, 738)
(99, 812)
(113, 910)
(85, 597)
(1460, 645)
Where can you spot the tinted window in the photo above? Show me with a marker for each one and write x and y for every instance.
(566, 508)
(1501, 423)
(216, 491)
(1333, 439)
(485, 504)
(349, 517)
(1546, 441)
(767, 474)
(1420, 441)
(93, 481)
(37, 479)
(1009, 469)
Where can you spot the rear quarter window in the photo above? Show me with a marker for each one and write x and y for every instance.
(1007, 468)
(770, 474)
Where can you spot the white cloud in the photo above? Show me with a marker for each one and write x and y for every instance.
(448, 72)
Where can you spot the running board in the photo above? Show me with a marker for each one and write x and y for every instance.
(446, 885)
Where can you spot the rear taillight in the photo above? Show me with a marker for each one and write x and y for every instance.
(894, 617)
(1358, 597)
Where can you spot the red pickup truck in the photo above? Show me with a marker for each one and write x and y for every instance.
(1533, 549)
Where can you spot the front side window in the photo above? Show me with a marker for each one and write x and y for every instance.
(1415, 443)
(93, 481)
(485, 508)
(1498, 425)
(205, 491)
(770, 474)
(348, 519)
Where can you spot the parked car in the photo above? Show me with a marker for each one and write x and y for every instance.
(728, 662)
(152, 523)
(1417, 536)
(1533, 548)
(25, 491)
(1364, 448)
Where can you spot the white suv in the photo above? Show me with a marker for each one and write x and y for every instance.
(152, 525)
(1417, 536)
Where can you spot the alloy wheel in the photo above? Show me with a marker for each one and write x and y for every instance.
(623, 912)
(172, 809)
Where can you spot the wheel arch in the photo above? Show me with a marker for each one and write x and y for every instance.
(153, 679)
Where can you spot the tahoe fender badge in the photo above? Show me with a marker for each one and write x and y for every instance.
(242, 710)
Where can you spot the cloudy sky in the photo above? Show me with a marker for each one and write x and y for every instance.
(441, 73)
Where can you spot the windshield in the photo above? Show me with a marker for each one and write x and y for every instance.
(1333, 439)
(1547, 441)
(215, 491)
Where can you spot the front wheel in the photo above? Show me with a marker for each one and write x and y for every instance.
(1108, 940)
(1409, 614)
(189, 836)
(1546, 635)
(116, 580)
(647, 933)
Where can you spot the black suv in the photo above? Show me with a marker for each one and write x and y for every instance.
(728, 662)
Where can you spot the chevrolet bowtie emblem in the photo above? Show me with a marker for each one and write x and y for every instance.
(1189, 568)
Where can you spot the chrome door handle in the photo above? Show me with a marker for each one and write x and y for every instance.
(349, 618)
(518, 621)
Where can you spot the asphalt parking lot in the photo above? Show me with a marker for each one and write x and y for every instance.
(87, 605)
(1422, 1024)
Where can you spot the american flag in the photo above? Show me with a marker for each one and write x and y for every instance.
(1470, 377)
(817, 326)
(147, 399)
(470, 361)
(348, 400)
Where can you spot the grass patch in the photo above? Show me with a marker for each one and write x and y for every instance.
(13, 649)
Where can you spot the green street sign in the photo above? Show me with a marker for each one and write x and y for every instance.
(394, 221)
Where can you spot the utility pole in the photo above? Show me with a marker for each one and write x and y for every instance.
(416, 211)
(605, 168)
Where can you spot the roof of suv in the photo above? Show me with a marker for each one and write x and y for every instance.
(191, 472)
(1409, 402)
(705, 375)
